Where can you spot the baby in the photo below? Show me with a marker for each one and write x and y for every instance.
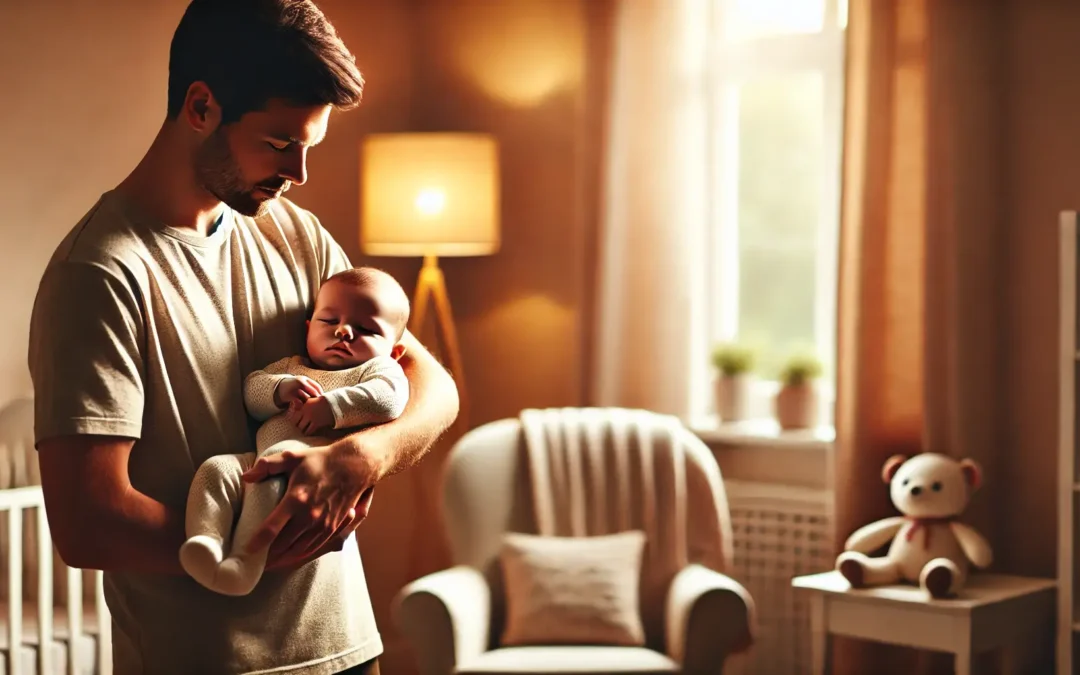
(350, 378)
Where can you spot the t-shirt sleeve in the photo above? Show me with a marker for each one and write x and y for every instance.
(85, 357)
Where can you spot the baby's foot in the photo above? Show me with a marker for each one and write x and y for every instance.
(237, 576)
(200, 556)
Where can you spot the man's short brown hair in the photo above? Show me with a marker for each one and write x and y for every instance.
(251, 51)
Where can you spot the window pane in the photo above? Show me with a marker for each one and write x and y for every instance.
(780, 163)
(776, 304)
(747, 19)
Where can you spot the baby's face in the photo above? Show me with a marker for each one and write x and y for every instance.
(348, 327)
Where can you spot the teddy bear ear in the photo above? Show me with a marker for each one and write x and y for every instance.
(972, 473)
(892, 465)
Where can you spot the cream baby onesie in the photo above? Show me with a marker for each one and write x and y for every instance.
(371, 393)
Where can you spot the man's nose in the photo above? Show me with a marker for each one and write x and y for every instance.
(344, 333)
(295, 168)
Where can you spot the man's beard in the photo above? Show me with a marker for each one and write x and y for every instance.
(217, 172)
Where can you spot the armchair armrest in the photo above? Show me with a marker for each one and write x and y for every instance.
(446, 617)
(710, 616)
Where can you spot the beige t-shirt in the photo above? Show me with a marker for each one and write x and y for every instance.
(145, 331)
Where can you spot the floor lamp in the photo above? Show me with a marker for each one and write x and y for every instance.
(431, 195)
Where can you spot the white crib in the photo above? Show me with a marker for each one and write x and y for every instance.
(56, 615)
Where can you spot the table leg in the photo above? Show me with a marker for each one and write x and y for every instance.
(820, 644)
(963, 661)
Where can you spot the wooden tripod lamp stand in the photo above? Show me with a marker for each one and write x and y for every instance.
(431, 195)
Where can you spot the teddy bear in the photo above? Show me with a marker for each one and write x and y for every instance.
(929, 546)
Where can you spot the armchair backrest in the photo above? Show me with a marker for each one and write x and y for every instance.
(487, 491)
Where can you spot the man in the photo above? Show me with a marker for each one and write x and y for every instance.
(190, 274)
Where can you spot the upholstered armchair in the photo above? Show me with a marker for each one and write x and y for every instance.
(693, 617)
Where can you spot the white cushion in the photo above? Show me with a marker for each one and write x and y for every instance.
(572, 590)
(569, 660)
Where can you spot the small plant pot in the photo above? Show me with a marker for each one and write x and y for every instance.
(733, 397)
(797, 406)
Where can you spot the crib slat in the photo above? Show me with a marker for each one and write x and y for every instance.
(45, 593)
(75, 629)
(16, 501)
(104, 626)
(15, 593)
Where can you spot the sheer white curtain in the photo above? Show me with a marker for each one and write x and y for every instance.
(650, 310)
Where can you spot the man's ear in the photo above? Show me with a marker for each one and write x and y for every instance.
(201, 110)
(397, 352)
(892, 465)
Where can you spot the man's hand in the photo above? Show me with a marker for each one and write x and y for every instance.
(311, 416)
(298, 388)
(329, 495)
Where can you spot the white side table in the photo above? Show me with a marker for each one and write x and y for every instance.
(993, 612)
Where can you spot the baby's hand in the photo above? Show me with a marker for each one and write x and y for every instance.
(311, 416)
(297, 388)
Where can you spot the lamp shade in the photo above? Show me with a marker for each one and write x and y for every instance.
(429, 194)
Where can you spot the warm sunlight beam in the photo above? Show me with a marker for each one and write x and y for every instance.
(757, 18)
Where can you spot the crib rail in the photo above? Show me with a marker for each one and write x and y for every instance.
(16, 502)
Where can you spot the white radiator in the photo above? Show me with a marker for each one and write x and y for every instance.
(780, 532)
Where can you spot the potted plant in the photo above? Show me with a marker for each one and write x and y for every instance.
(797, 401)
(734, 364)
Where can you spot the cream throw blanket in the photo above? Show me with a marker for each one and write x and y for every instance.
(598, 471)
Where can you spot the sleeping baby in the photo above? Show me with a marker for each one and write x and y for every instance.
(350, 378)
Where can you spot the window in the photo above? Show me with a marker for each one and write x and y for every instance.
(775, 74)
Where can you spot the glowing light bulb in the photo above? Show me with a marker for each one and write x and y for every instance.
(430, 201)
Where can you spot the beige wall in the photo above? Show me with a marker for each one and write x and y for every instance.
(82, 99)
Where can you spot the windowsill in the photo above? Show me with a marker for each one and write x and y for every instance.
(758, 451)
(763, 432)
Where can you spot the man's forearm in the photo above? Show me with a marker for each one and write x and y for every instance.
(431, 410)
(98, 520)
(142, 536)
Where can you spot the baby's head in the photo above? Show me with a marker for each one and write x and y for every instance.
(359, 314)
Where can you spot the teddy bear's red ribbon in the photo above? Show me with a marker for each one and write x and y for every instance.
(917, 523)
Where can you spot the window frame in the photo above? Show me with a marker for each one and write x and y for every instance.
(729, 63)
